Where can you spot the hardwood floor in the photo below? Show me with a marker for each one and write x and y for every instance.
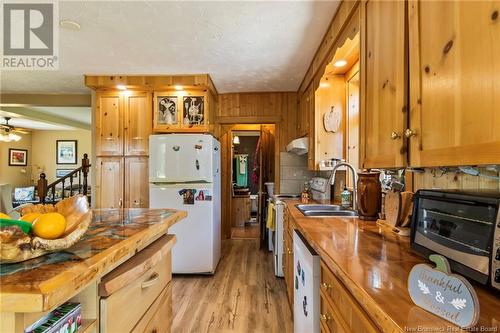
(243, 295)
(246, 232)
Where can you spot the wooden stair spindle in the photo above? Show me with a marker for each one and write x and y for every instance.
(85, 172)
(42, 187)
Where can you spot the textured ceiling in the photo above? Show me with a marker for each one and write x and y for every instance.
(244, 46)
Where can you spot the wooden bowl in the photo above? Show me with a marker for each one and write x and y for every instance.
(16, 246)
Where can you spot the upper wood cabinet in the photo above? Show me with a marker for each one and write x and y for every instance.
(136, 182)
(138, 122)
(181, 111)
(383, 84)
(455, 82)
(109, 182)
(123, 123)
(108, 124)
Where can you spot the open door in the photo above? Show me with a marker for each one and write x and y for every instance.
(266, 166)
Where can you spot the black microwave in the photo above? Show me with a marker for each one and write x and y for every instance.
(461, 226)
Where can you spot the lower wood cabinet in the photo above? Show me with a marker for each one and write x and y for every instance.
(158, 318)
(339, 309)
(288, 255)
(109, 182)
(136, 296)
(122, 182)
(136, 182)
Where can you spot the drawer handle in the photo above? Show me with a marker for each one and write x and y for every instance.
(326, 285)
(151, 281)
(325, 317)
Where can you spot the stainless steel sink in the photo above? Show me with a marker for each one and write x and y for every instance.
(314, 210)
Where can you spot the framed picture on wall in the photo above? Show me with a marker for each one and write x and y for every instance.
(18, 157)
(66, 151)
(63, 172)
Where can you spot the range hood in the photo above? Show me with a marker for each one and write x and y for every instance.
(298, 146)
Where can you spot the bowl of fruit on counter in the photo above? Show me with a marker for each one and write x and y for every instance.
(43, 229)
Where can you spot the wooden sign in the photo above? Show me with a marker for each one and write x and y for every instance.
(446, 295)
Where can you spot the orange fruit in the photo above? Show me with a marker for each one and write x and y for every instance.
(30, 217)
(4, 216)
(49, 226)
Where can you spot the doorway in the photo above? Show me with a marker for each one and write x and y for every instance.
(249, 161)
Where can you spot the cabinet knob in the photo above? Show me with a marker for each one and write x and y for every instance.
(290, 251)
(326, 285)
(409, 133)
(325, 317)
(395, 135)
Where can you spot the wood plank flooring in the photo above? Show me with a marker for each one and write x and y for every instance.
(246, 232)
(243, 295)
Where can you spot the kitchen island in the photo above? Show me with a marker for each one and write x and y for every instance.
(364, 272)
(32, 288)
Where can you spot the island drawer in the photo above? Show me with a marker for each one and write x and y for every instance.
(134, 286)
(344, 304)
(158, 318)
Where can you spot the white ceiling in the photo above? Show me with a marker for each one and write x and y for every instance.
(74, 113)
(244, 46)
(25, 123)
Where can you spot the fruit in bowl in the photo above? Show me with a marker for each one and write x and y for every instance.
(43, 229)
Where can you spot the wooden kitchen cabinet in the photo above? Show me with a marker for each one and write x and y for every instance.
(138, 122)
(136, 182)
(288, 255)
(383, 84)
(109, 182)
(455, 86)
(108, 124)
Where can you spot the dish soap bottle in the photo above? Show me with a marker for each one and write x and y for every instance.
(345, 198)
(305, 195)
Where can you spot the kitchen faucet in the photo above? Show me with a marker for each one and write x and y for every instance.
(341, 163)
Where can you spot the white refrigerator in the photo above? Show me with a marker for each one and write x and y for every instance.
(184, 173)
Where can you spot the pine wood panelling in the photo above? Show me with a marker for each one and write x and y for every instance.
(455, 85)
(149, 82)
(435, 178)
(242, 296)
(261, 108)
(329, 145)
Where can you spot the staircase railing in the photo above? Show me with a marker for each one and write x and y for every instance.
(47, 192)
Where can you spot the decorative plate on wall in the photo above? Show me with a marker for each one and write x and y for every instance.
(332, 119)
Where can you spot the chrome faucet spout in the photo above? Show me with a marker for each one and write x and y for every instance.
(354, 177)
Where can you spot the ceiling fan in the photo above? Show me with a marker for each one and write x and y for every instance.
(8, 132)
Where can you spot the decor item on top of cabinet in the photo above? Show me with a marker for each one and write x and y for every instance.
(446, 295)
(167, 110)
(193, 110)
(66, 151)
(369, 195)
(332, 120)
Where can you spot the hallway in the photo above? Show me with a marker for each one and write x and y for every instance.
(243, 296)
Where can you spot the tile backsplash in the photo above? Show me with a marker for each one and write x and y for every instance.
(293, 172)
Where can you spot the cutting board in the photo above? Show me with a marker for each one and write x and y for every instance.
(393, 208)
(406, 208)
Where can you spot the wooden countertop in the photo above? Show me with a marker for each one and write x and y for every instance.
(374, 264)
(114, 235)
